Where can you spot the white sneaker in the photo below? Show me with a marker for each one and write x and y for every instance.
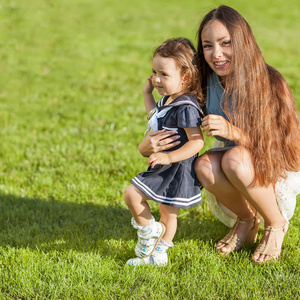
(137, 261)
(148, 237)
(154, 259)
(159, 257)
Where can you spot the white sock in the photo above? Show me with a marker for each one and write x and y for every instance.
(143, 229)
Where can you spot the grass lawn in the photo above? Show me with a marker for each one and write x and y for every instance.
(71, 118)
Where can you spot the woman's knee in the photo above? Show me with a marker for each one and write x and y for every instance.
(207, 168)
(237, 163)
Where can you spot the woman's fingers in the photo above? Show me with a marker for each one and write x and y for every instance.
(211, 122)
(168, 141)
(161, 147)
(162, 134)
(163, 140)
(214, 133)
(214, 125)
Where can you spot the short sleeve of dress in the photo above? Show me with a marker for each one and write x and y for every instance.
(188, 116)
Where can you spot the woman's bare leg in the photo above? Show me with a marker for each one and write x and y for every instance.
(211, 176)
(237, 167)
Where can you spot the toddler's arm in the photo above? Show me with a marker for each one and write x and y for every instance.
(193, 146)
(148, 97)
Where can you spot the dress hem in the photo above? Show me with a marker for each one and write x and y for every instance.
(191, 202)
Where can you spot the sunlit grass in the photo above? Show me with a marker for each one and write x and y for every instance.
(71, 117)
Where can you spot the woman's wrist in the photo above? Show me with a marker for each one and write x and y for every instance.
(236, 133)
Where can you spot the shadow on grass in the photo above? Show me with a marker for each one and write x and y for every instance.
(54, 225)
(49, 225)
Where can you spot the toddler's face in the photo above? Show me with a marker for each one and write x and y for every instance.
(167, 77)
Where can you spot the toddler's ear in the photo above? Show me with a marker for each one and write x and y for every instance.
(186, 77)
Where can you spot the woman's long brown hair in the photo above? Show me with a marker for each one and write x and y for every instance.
(263, 106)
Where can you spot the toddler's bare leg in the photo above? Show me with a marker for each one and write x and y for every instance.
(137, 204)
(168, 216)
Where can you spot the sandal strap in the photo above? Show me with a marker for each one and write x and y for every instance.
(232, 240)
(283, 228)
(247, 222)
(264, 249)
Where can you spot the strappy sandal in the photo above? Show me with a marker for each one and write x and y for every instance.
(236, 243)
(265, 249)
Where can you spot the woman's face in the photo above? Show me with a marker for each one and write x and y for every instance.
(217, 48)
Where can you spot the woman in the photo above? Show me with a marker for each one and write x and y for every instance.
(250, 103)
(251, 111)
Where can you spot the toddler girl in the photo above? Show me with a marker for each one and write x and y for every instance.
(170, 179)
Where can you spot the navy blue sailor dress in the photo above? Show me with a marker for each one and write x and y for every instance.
(174, 184)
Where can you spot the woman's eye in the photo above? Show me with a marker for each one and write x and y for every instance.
(226, 43)
(206, 46)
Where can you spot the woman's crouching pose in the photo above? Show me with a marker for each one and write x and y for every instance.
(253, 170)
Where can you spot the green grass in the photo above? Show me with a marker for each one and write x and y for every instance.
(71, 117)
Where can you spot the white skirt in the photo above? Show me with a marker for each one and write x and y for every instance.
(286, 191)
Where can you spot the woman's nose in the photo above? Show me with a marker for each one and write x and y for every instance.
(217, 52)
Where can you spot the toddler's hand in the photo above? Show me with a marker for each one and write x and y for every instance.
(148, 87)
(158, 159)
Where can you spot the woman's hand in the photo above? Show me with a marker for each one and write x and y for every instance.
(215, 125)
(158, 159)
(157, 141)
